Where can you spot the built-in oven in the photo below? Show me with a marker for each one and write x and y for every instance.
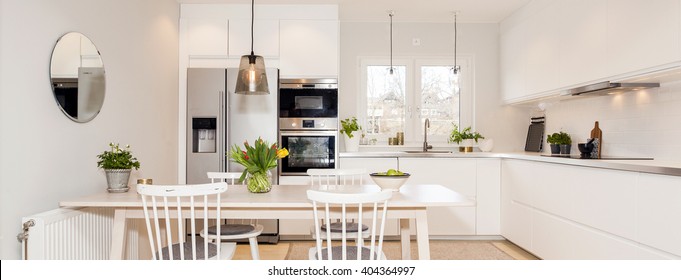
(308, 124)
(309, 148)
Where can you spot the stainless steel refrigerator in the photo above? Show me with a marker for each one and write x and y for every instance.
(217, 119)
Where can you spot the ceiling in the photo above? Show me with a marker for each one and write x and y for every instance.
(405, 10)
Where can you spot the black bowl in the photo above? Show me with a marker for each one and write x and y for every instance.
(585, 148)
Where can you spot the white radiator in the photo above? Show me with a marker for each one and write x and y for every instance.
(74, 234)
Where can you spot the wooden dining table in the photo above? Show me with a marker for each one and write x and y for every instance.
(289, 202)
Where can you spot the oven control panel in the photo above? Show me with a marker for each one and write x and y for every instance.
(308, 124)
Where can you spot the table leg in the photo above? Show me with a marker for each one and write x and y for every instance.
(118, 235)
(422, 235)
(404, 238)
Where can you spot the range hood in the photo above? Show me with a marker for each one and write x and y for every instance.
(605, 88)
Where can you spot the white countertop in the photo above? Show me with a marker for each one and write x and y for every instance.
(662, 167)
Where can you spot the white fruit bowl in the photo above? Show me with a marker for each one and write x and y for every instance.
(389, 182)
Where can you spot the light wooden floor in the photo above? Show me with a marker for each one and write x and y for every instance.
(279, 251)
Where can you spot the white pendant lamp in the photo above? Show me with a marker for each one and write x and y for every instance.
(252, 79)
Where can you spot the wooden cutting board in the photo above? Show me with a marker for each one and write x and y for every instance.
(597, 133)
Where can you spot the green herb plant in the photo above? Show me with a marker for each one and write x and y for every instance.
(348, 126)
(559, 138)
(457, 136)
(117, 158)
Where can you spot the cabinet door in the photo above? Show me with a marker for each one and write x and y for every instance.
(308, 48)
(513, 62)
(207, 36)
(265, 37)
(543, 42)
(583, 36)
(642, 34)
(456, 174)
(488, 200)
(516, 218)
(658, 212)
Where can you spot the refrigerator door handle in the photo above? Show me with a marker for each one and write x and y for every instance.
(221, 133)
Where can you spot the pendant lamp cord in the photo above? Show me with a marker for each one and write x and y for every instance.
(391, 42)
(456, 33)
(252, 21)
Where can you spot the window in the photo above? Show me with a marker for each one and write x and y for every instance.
(418, 89)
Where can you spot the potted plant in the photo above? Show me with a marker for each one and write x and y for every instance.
(348, 127)
(465, 138)
(117, 164)
(560, 143)
(258, 160)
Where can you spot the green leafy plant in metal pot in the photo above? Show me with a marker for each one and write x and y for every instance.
(348, 126)
(457, 136)
(117, 158)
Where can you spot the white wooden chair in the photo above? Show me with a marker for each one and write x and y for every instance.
(243, 229)
(180, 202)
(338, 177)
(347, 203)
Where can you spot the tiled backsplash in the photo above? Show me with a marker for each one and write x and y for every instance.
(644, 123)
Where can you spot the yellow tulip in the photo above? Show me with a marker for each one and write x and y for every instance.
(282, 153)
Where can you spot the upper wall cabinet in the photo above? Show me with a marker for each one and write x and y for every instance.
(642, 34)
(207, 37)
(582, 34)
(308, 48)
(554, 45)
(265, 37)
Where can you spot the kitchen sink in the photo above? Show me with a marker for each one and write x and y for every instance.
(429, 152)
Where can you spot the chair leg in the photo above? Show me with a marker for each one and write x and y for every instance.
(254, 248)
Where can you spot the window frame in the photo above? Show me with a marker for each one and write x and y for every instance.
(413, 126)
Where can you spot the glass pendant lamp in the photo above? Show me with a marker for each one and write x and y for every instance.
(252, 79)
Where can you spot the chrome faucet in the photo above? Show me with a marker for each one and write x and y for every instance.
(425, 136)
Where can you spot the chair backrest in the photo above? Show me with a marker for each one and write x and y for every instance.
(231, 178)
(347, 204)
(175, 202)
(336, 176)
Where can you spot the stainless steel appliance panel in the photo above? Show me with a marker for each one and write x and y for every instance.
(238, 118)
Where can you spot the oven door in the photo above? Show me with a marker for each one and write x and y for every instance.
(308, 102)
(308, 149)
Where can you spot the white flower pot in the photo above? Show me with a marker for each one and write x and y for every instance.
(351, 144)
(485, 145)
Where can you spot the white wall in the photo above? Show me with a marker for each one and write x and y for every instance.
(643, 123)
(506, 125)
(44, 156)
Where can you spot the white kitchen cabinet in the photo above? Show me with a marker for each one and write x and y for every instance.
(642, 34)
(548, 46)
(542, 46)
(513, 62)
(590, 213)
(456, 174)
(265, 37)
(308, 48)
(583, 34)
(658, 211)
(488, 197)
(207, 37)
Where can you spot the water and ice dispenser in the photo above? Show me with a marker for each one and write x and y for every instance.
(204, 135)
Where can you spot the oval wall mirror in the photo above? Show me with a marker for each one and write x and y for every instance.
(77, 77)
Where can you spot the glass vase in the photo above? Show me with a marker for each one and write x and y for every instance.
(259, 182)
